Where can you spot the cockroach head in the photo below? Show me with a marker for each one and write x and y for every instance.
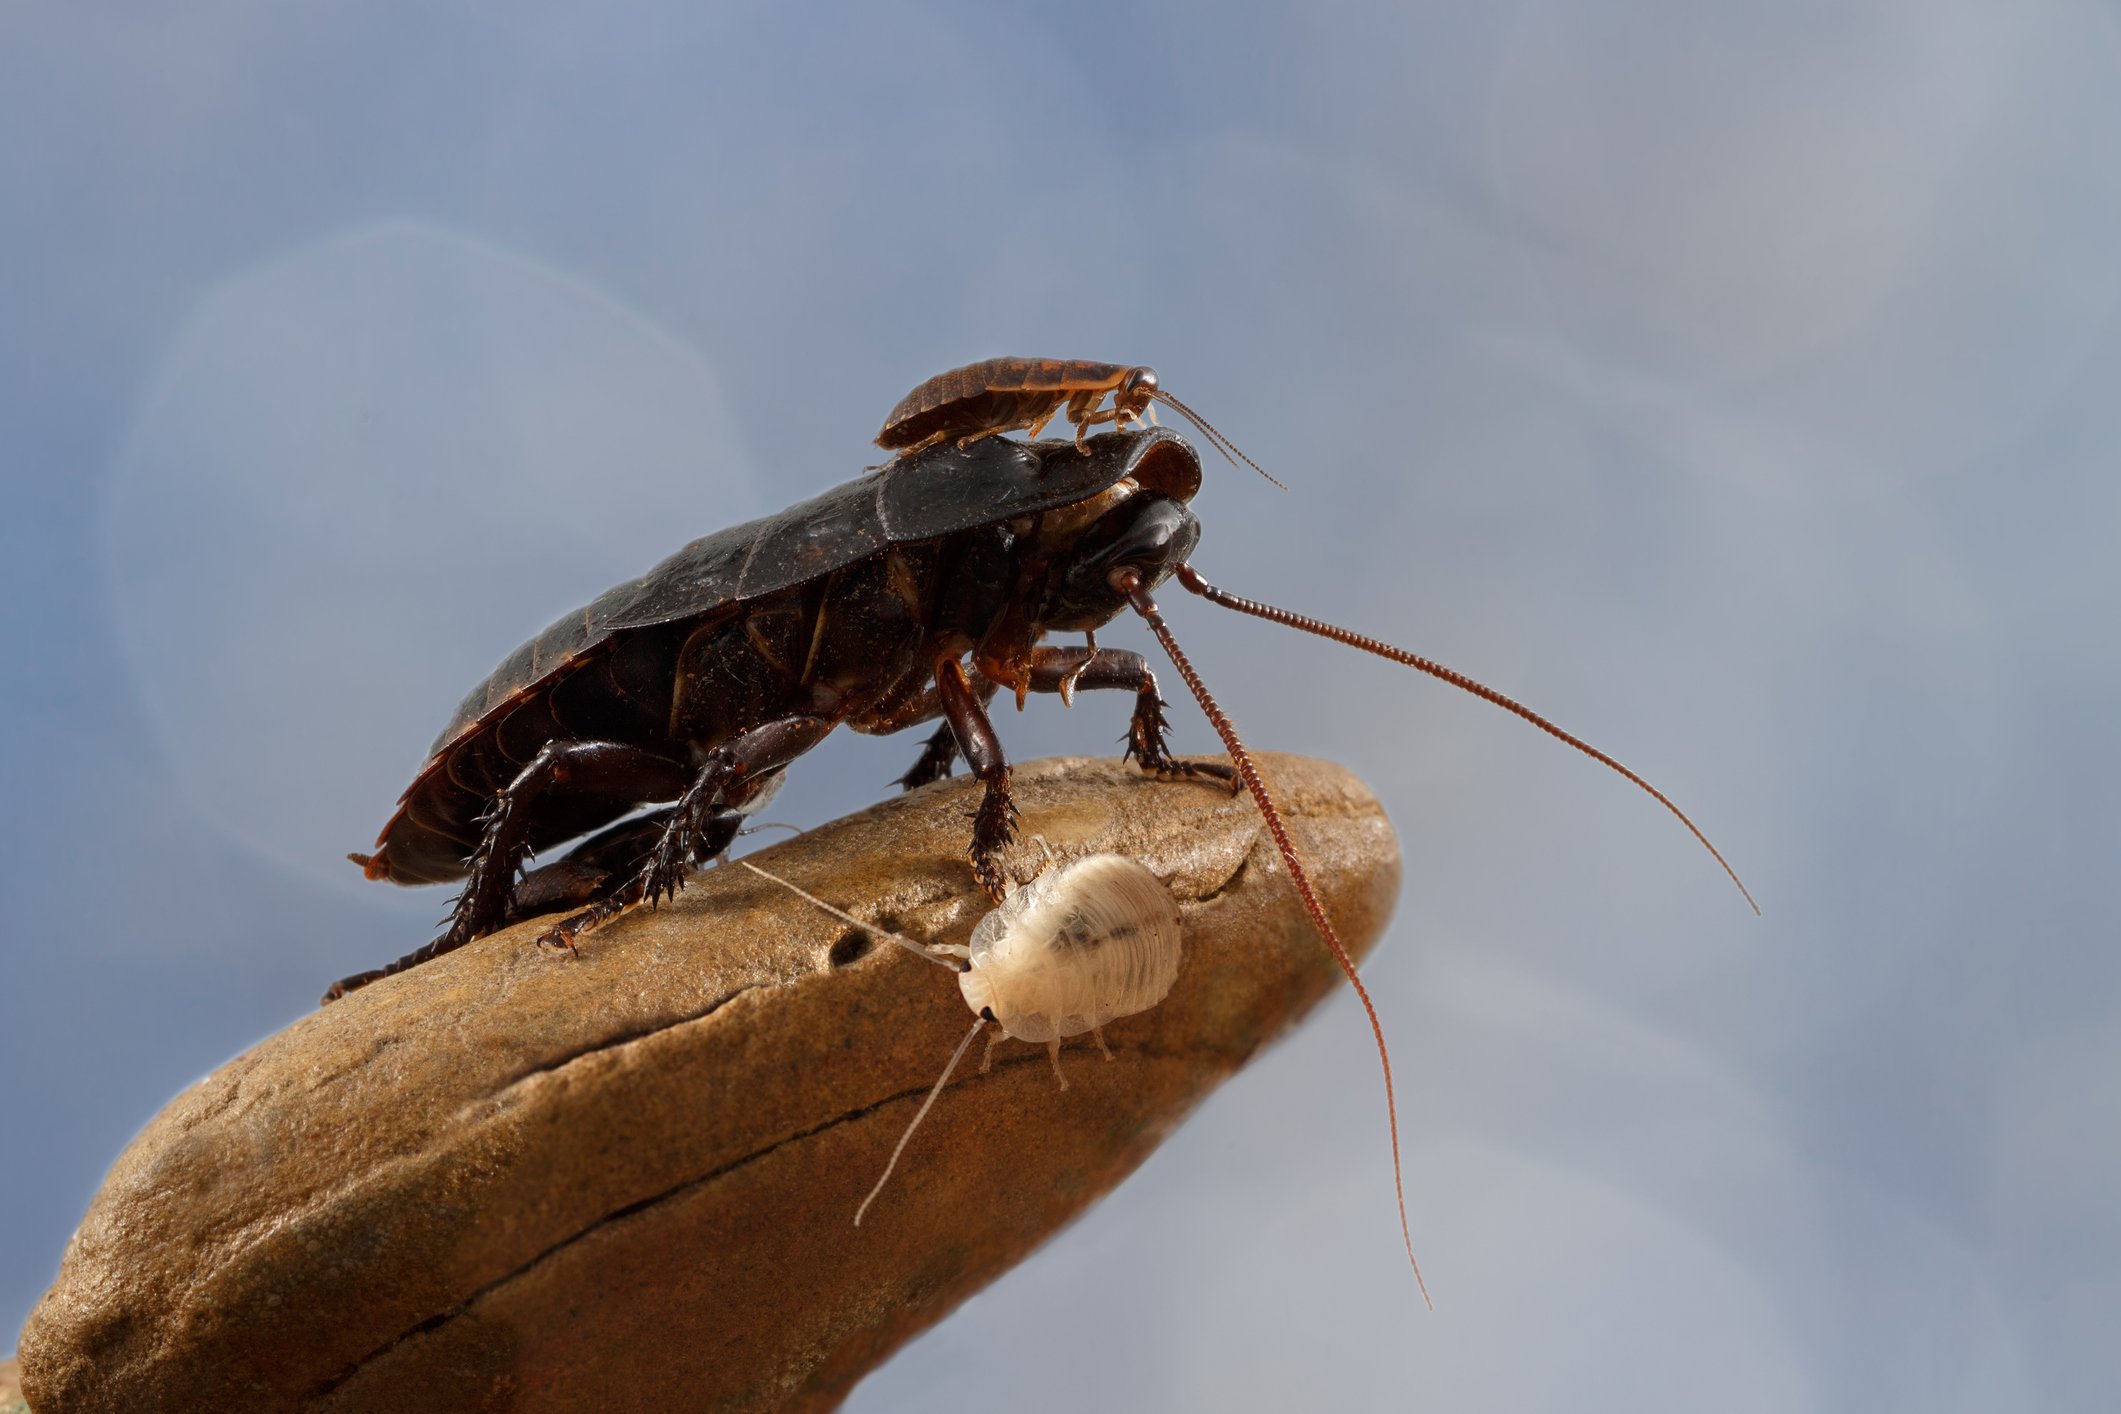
(1135, 391)
(1148, 534)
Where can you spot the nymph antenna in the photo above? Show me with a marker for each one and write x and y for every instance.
(1221, 443)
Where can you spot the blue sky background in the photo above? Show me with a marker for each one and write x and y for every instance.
(1734, 382)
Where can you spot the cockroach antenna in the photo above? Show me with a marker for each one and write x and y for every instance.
(1191, 579)
(1129, 583)
(919, 950)
(1216, 439)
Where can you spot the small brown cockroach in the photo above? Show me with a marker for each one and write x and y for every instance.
(1088, 942)
(998, 395)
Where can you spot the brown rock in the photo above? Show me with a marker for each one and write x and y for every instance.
(510, 1179)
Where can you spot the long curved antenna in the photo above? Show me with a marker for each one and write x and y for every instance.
(919, 1115)
(1221, 443)
(1130, 583)
(870, 928)
(1192, 580)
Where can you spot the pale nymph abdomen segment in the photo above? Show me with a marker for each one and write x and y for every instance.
(1074, 949)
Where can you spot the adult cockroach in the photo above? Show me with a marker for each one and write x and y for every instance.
(1083, 944)
(999, 395)
(883, 603)
(888, 601)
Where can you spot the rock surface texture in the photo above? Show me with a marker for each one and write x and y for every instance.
(513, 1179)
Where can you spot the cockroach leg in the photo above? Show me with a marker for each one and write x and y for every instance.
(1066, 686)
(1097, 417)
(994, 824)
(623, 887)
(586, 872)
(1097, 1034)
(1082, 411)
(563, 933)
(940, 750)
(599, 864)
(1146, 744)
(1054, 669)
(729, 769)
(577, 768)
(993, 827)
(1053, 1050)
(1130, 583)
(1191, 579)
(936, 758)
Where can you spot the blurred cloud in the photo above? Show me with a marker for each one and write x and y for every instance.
(1823, 205)
(356, 468)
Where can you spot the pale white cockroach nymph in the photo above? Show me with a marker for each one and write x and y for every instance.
(1076, 947)
(1082, 944)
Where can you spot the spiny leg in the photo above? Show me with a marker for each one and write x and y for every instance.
(622, 890)
(700, 815)
(937, 756)
(605, 863)
(940, 750)
(1068, 684)
(614, 769)
(1067, 670)
(588, 870)
(572, 767)
(994, 824)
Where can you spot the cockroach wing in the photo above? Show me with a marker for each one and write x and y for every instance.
(941, 491)
(944, 490)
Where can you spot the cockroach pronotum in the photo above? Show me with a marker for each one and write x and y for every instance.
(1084, 943)
(915, 593)
(998, 395)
